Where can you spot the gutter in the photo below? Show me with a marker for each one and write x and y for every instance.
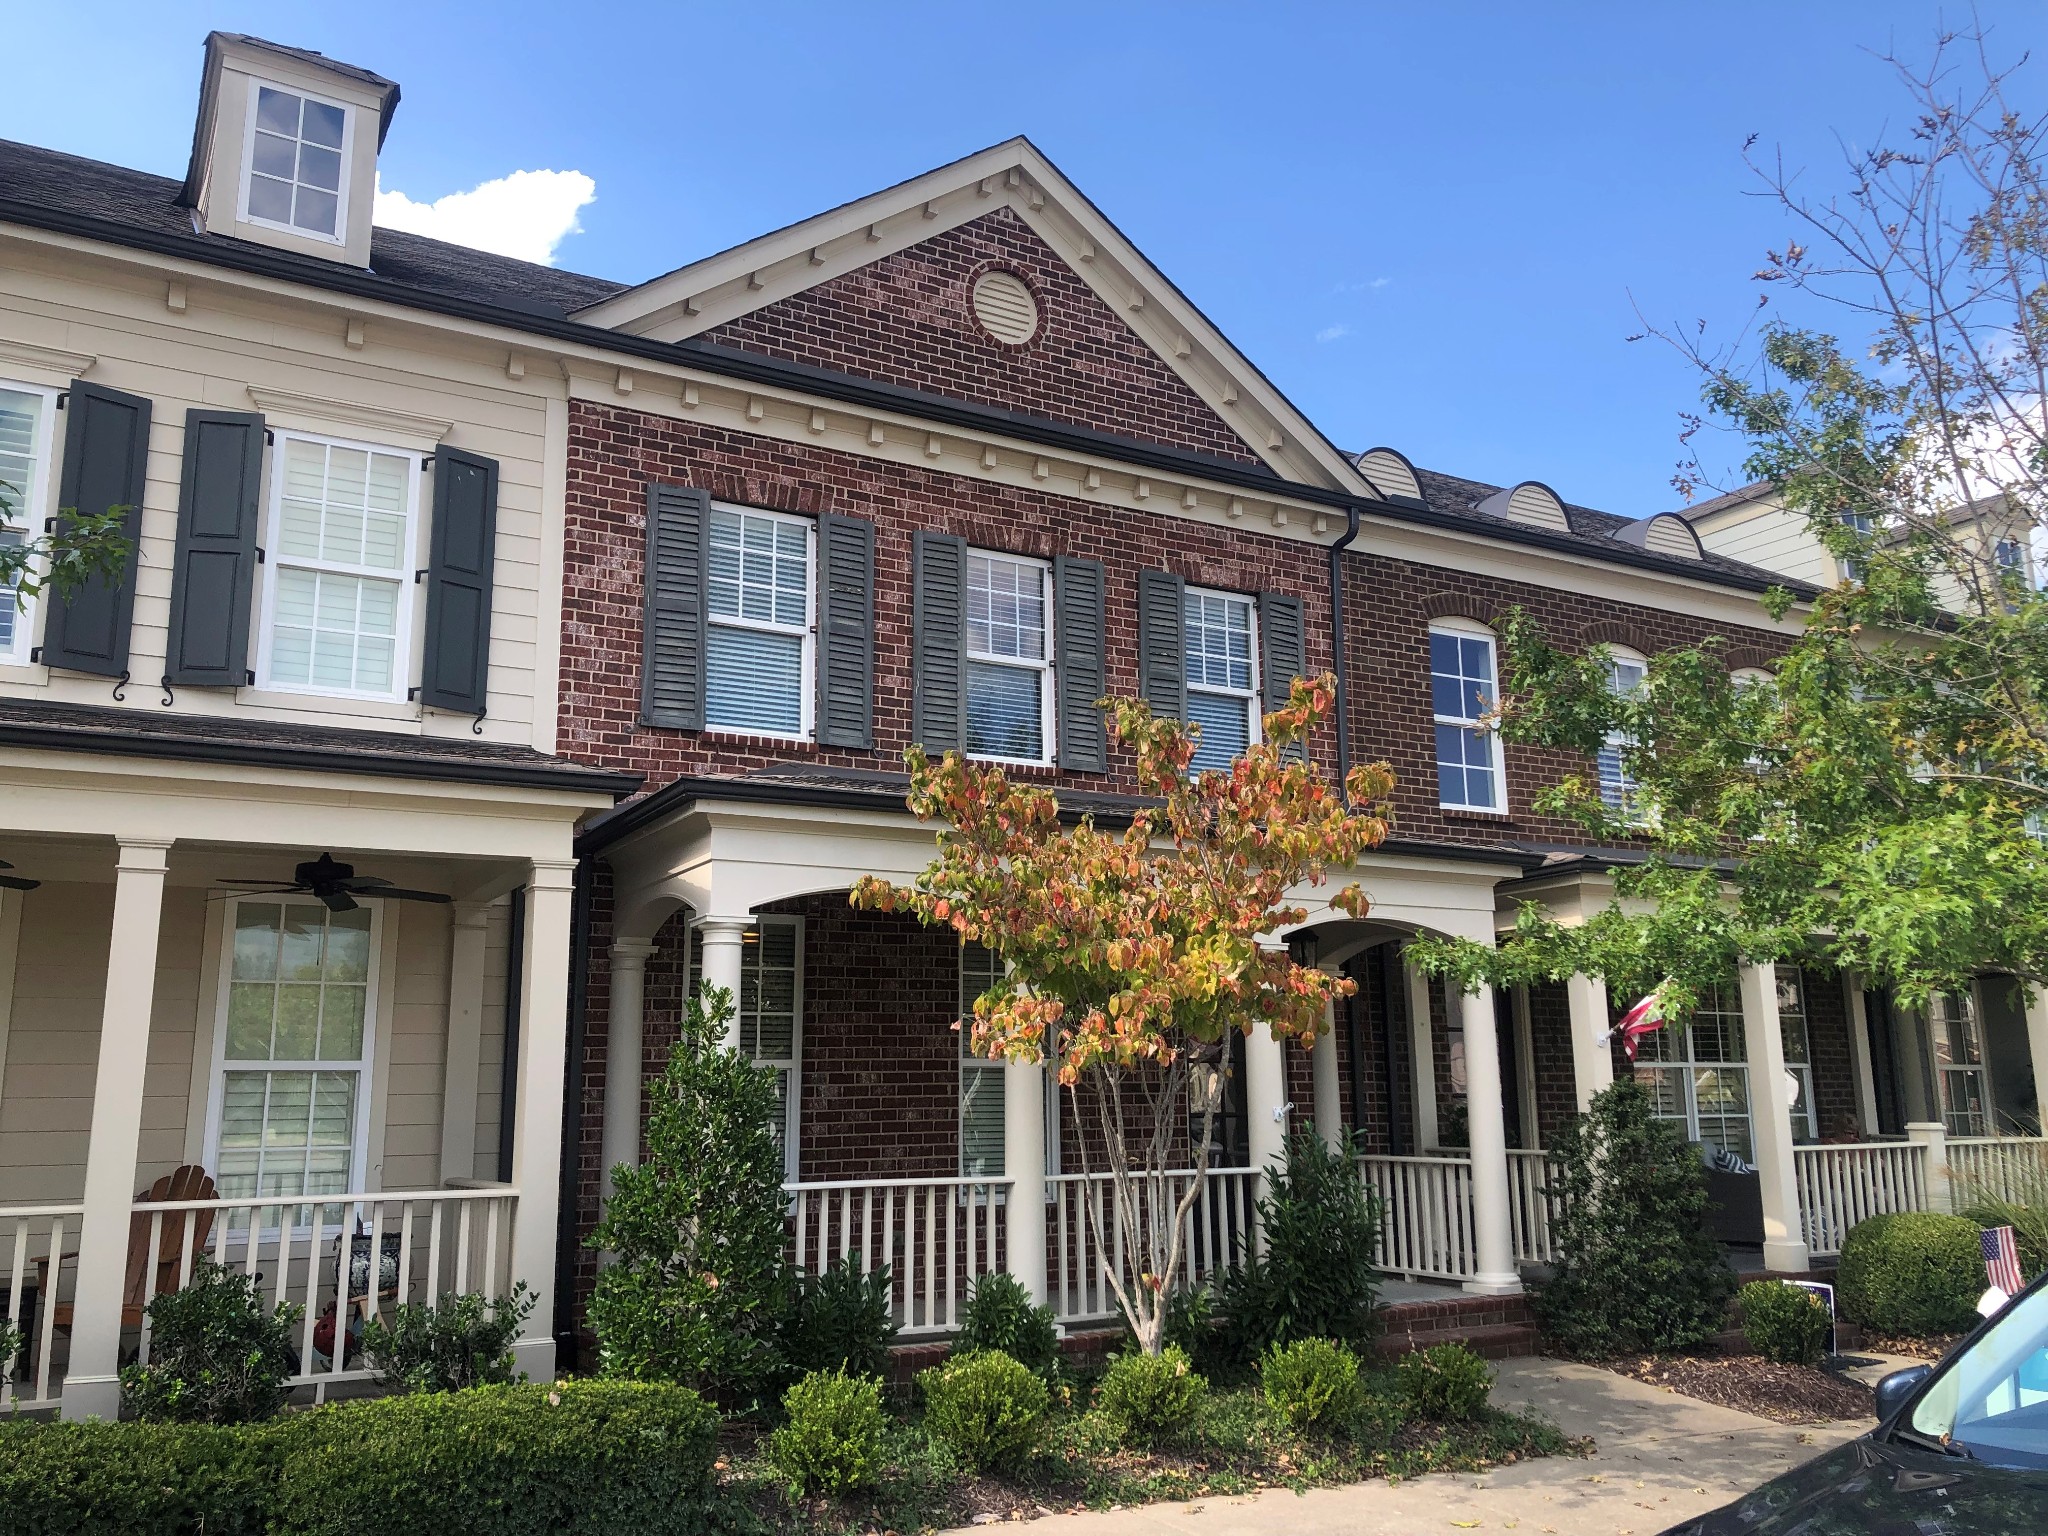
(1337, 654)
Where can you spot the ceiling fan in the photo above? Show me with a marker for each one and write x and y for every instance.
(15, 882)
(337, 885)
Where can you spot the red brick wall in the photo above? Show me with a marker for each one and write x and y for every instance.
(907, 320)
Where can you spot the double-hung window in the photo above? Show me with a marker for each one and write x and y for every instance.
(1798, 1051)
(1957, 1036)
(770, 1022)
(297, 159)
(1009, 658)
(1470, 775)
(1626, 672)
(1221, 641)
(981, 1080)
(758, 645)
(1698, 1078)
(25, 426)
(343, 545)
(1863, 525)
(292, 1064)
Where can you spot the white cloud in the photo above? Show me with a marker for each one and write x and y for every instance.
(1366, 287)
(1379, 282)
(526, 214)
(1332, 332)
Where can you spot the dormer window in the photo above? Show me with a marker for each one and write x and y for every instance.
(298, 162)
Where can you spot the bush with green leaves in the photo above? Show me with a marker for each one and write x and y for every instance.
(841, 1320)
(1145, 1398)
(1635, 1269)
(1312, 1383)
(1912, 1274)
(1783, 1322)
(1001, 1316)
(216, 1356)
(2020, 1203)
(696, 1292)
(465, 1341)
(988, 1407)
(830, 1440)
(10, 1345)
(1191, 1327)
(1313, 1277)
(1445, 1382)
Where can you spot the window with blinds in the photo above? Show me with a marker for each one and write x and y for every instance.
(1626, 672)
(981, 1080)
(1698, 1077)
(758, 641)
(23, 455)
(1009, 658)
(1219, 636)
(770, 1022)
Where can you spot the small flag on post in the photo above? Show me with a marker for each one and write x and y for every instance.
(1640, 1020)
(2002, 1260)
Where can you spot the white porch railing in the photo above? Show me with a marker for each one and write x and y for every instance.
(1841, 1185)
(29, 1233)
(937, 1236)
(2009, 1167)
(1529, 1206)
(423, 1244)
(1426, 1227)
(1216, 1233)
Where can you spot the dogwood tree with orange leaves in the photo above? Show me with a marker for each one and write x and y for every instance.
(1133, 953)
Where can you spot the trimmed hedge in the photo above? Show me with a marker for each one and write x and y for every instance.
(1912, 1274)
(576, 1457)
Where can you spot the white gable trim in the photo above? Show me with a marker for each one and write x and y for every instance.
(773, 267)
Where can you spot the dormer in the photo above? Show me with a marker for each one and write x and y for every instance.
(1531, 502)
(284, 153)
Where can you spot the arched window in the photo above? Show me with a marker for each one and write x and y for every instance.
(1464, 686)
(1626, 673)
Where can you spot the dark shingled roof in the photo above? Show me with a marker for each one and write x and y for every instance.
(269, 743)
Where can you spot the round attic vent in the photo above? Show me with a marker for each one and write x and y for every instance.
(1006, 308)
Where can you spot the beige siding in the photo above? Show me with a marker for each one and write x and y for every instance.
(415, 1041)
(1769, 536)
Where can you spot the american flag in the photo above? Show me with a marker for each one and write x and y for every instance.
(2002, 1260)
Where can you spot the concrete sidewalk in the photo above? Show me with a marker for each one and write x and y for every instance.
(1662, 1458)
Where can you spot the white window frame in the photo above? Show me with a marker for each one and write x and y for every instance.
(1677, 1052)
(1792, 1014)
(807, 632)
(216, 1095)
(348, 143)
(1860, 522)
(793, 1064)
(406, 576)
(37, 506)
(1936, 1014)
(969, 1062)
(1252, 697)
(1467, 629)
(1044, 666)
(1625, 788)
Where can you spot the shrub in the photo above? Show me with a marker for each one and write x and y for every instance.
(10, 1345)
(1783, 1322)
(1145, 1397)
(696, 1293)
(1311, 1383)
(1635, 1268)
(2023, 1207)
(831, 1439)
(1001, 1316)
(1912, 1274)
(841, 1320)
(576, 1458)
(215, 1356)
(464, 1342)
(1313, 1277)
(987, 1406)
(1190, 1326)
(1445, 1382)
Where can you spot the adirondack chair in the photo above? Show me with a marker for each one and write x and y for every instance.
(190, 1182)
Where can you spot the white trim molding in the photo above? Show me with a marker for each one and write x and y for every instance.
(347, 418)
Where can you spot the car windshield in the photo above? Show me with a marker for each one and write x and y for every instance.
(1991, 1397)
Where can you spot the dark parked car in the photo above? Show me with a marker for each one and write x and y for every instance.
(1960, 1449)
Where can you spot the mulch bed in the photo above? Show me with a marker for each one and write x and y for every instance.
(1790, 1394)
(1933, 1347)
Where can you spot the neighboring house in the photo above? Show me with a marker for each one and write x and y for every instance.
(944, 466)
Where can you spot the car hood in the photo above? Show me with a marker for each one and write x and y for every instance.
(1872, 1487)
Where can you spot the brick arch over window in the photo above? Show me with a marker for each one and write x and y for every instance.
(1617, 632)
(1738, 657)
(1460, 605)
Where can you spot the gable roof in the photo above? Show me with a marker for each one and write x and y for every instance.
(693, 299)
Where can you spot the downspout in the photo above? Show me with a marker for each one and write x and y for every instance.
(566, 1246)
(1337, 650)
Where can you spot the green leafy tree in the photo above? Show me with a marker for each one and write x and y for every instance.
(79, 546)
(1878, 804)
(696, 1289)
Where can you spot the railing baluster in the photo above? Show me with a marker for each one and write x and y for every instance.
(434, 1258)
(405, 1252)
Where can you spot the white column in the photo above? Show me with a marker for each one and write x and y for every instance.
(1422, 1055)
(463, 1053)
(1932, 1138)
(537, 1121)
(624, 1032)
(1859, 1053)
(2037, 1049)
(93, 1384)
(1329, 1097)
(1487, 1125)
(1265, 1091)
(1592, 1056)
(1024, 1164)
(723, 938)
(1770, 1121)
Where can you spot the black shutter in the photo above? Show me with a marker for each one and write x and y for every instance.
(106, 458)
(457, 672)
(1077, 603)
(1162, 643)
(846, 631)
(213, 574)
(939, 641)
(672, 640)
(1283, 651)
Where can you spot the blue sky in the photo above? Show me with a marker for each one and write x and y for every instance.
(1426, 222)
